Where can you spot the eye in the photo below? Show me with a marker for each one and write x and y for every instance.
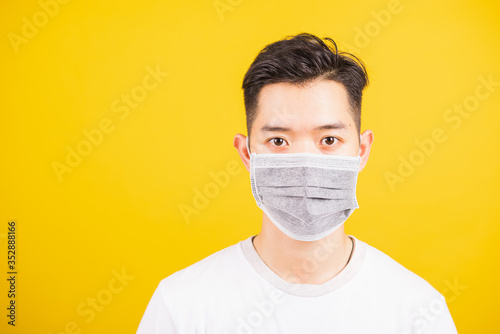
(329, 141)
(277, 141)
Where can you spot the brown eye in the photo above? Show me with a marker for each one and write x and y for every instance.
(329, 140)
(278, 141)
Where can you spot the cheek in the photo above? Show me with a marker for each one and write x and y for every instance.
(350, 146)
(351, 149)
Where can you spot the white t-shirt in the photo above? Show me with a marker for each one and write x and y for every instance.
(234, 292)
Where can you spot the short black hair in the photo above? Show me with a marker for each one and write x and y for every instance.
(302, 59)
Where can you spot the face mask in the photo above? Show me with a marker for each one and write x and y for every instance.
(306, 195)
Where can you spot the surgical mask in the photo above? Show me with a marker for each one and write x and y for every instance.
(306, 195)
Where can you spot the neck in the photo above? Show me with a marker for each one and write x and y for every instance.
(302, 262)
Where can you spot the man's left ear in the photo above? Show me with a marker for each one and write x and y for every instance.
(365, 144)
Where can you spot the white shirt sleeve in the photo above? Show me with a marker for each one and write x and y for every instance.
(157, 318)
(445, 324)
(436, 318)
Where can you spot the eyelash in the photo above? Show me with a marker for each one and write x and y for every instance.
(335, 139)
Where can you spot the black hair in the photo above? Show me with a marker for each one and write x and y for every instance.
(302, 59)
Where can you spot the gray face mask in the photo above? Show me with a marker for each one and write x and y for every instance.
(306, 195)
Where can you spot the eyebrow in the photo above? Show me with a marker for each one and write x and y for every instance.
(331, 126)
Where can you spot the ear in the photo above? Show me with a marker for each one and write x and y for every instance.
(365, 146)
(239, 142)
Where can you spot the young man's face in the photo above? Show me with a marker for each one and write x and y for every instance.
(315, 118)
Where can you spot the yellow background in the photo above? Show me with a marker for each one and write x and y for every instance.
(119, 209)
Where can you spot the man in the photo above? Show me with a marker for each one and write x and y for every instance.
(301, 273)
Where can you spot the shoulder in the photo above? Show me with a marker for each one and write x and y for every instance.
(395, 279)
(405, 294)
(209, 273)
(192, 290)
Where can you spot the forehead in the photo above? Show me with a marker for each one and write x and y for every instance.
(294, 106)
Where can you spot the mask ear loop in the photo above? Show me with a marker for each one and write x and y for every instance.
(359, 153)
(248, 146)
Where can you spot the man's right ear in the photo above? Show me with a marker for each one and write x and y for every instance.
(240, 143)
